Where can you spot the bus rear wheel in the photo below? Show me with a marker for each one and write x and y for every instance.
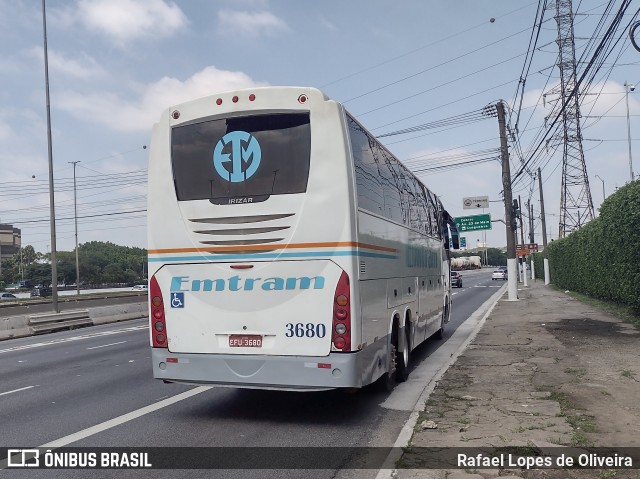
(403, 358)
(387, 381)
(398, 367)
(443, 322)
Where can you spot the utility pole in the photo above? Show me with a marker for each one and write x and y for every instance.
(530, 211)
(512, 267)
(75, 218)
(52, 210)
(531, 238)
(523, 259)
(545, 254)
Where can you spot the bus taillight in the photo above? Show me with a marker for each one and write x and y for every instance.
(158, 324)
(341, 331)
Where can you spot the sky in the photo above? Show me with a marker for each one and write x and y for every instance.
(115, 65)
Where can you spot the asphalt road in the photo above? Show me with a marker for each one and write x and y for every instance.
(75, 383)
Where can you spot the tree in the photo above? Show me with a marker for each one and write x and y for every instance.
(100, 262)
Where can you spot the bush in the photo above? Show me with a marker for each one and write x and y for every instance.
(602, 258)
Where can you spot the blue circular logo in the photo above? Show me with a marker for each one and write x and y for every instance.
(242, 162)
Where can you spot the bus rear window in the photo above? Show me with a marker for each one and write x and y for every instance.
(241, 159)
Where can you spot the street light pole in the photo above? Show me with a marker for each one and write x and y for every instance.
(628, 87)
(75, 218)
(603, 194)
(52, 211)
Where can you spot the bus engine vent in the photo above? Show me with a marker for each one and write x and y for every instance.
(363, 267)
(242, 234)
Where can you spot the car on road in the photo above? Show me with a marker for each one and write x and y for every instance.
(140, 287)
(8, 296)
(499, 274)
(41, 292)
(456, 279)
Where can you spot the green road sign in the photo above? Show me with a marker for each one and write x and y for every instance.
(473, 223)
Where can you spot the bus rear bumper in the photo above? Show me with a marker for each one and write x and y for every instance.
(337, 370)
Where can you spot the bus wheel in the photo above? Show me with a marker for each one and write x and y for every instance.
(443, 322)
(403, 359)
(387, 381)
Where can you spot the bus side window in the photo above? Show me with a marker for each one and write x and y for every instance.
(369, 188)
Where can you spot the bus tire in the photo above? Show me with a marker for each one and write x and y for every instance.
(388, 380)
(403, 357)
(443, 322)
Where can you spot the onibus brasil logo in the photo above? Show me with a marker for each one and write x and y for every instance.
(242, 162)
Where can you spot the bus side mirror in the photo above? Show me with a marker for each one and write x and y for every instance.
(455, 239)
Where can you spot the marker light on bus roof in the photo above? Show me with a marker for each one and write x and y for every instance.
(175, 114)
(302, 98)
(252, 97)
(219, 101)
(234, 99)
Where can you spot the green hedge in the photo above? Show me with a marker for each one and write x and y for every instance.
(602, 259)
(538, 261)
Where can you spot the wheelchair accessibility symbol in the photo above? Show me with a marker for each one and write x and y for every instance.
(177, 300)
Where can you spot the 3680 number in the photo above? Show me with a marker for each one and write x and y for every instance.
(308, 330)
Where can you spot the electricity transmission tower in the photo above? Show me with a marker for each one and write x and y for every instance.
(576, 205)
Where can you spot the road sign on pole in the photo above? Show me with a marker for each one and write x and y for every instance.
(475, 202)
(473, 223)
(525, 249)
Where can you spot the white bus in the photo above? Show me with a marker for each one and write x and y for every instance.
(288, 249)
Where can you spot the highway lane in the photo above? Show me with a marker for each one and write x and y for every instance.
(476, 284)
(87, 377)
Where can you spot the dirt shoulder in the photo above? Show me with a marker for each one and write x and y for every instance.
(545, 371)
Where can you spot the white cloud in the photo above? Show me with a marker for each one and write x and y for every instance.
(122, 114)
(327, 24)
(82, 67)
(123, 21)
(249, 23)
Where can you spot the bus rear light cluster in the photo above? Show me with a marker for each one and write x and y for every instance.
(341, 330)
(158, 322)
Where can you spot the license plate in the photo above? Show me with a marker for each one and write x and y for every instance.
(245, 341)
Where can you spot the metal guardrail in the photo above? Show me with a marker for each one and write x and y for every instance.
(40, 323)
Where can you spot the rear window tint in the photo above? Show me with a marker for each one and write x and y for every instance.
(243, 158)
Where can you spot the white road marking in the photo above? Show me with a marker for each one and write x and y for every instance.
(90, 431)
(74, 338)
(106, 345)
(17, 390)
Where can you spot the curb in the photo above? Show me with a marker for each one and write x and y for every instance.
(388, 470)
